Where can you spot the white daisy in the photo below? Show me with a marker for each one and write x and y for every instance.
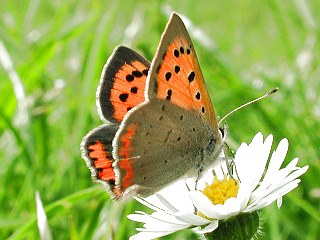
(251, 187)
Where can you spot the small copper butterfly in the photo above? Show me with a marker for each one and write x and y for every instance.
(161, 125)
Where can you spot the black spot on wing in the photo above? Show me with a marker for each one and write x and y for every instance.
(123, 97)
(191, 76)
(198, 96)
(137, 74)
(169, 94)
(176, 53)
(176, 69)
(145, 72)
(129, 78)
(168, 76)
(134, 90)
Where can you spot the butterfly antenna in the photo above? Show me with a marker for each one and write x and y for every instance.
(248, 103)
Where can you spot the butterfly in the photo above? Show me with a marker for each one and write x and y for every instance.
(160, 123)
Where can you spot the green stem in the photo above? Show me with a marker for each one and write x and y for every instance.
(241, 227)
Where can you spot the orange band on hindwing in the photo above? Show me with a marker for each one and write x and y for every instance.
(125, 156)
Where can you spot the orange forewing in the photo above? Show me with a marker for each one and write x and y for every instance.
(128, 94)
(125, 167)
(122, 84)
(175, 73)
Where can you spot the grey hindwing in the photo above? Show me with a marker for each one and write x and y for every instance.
(168, 142)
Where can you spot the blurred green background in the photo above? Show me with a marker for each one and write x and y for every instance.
(52, 54)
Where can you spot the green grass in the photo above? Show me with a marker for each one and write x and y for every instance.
(58, 49)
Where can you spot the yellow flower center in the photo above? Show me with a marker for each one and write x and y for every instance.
(221, 190)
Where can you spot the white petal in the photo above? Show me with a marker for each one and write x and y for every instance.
(284, 173)
(251, 161)
(261, 159)
(157, 220)
(203, 204)
(210, 228)
(154, 218)
(244, 194)
(230, 208)
(166, 203)
(261, 203)
(292, 176)
(146, 203)
(282, 191)
(192, 219)
(283, 177)
(166, 218)
(157, 228)
(149, 235)
(276, 160)
(176, 194)
(162, 227)
(139, 217)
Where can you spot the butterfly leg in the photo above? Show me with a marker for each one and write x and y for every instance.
(198, 177)
(194, 207)
(230, 161)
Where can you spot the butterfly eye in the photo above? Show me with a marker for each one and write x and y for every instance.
(221, 129)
